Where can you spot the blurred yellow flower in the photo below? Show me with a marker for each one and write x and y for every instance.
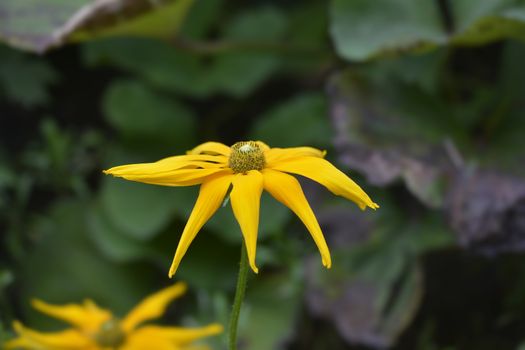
(249, 167)
(97, 329)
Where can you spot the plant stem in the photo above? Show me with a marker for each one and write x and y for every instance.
(239, 297)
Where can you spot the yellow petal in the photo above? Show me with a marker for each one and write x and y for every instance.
(210, 198)
(262, 145)
(87, 317)
(181, 177)
(153, 306)
(168, 165)
(64, 340)
(274, 155)
(246, 200)
(287, 190)
(176, 335)
(327, 175)
(211, 148)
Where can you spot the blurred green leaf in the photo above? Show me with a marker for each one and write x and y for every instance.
(160, 19)
(379, 282)
(247, 50)
(7, 175)
(138, 210)
(200, 18)
(6, 278)
(25, 79)
(158, 63)
(363, 29)
(150, 118)
(302, 120)
(210, 263)
(480, 23)
(238, 72)
(64, 267)
(115, 244)
(271, 308)
(38, 25)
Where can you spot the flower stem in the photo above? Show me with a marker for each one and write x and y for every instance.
(239, 297)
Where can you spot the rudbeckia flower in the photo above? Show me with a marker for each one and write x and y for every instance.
(95, 328)
(248, 168)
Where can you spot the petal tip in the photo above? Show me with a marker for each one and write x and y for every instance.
(215, 328)
(327, 262)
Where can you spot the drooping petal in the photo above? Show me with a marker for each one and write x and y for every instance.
(326, 174)
(210, 198)
(181, 177)
(152, 307)
(211, 148)
(64, 340)
(169, 164)
(287, 190)
(178, 336)
(274, 155)
(246, 200)
(87, 317)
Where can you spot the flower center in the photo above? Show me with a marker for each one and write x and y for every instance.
(246, 156)
(110, 334)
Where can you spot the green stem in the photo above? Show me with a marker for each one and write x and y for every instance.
(239, 297)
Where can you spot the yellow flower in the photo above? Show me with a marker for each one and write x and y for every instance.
(97, 329)
(249, 167)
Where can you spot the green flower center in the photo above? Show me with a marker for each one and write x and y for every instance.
(110, 334)
(246, 156)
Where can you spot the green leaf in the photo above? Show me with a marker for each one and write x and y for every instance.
(196, 74)
(200, 18)
(302, 120)
(137, 210)
(38, 25)
(480, 23)
(362, 29)
(113, 243)
(375, 289)
(141, 114)
(24, 79)
(237, 72)
(365, 29)
(265, 296)
(64, 267)
(210, 263)
(162, 20)
(157, 62)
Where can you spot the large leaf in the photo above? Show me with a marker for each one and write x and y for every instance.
(265, 295)
(141, 114)
(38, 25)
(374, 289)
(24, 80)
(364, 29)
(63, 266)
(306, 115)
(137, 210)
(192, 72)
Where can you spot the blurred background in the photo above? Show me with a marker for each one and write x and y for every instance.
(420, 101)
